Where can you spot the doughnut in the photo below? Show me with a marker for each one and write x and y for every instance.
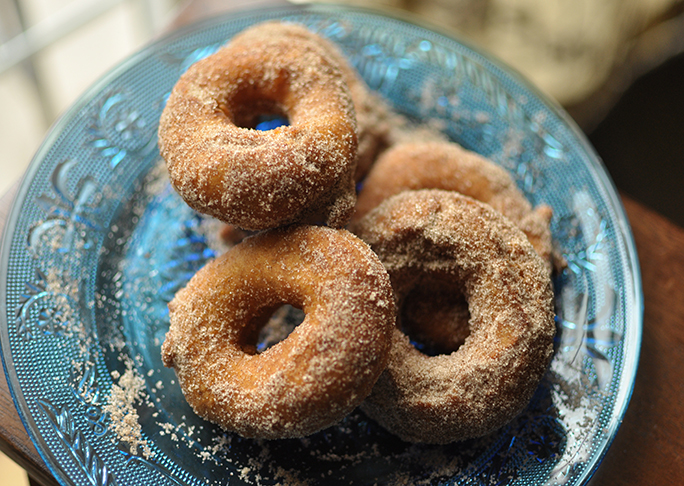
(372, 113)
(253, 179)
(444, 236)
(448, 166)
(321, 371)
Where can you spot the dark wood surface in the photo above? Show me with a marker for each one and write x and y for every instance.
(649, 447)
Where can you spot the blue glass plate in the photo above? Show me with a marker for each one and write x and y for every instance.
(97, 244)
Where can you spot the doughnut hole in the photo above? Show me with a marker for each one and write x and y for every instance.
(271, 325)
(279, 324)
(434, 315)
(270, 121)
(263, 114)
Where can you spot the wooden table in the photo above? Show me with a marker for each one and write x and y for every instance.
(649, 447)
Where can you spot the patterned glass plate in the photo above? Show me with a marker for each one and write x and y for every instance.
(97, 244)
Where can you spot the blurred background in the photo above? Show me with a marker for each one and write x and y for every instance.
(614, 65)
(617, 66)
(50, 52)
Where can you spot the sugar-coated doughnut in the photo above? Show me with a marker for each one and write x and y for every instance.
(448, 166)
(442, 235)
(256, 179)
(321, 371)
(372, 113)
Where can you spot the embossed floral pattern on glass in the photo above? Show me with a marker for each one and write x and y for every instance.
(98, 243)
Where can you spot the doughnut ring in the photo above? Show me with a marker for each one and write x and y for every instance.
(321, 371)
(486, 382)
(372, 114)
(261, 179)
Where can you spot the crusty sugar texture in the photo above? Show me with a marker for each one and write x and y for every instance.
(436, 234)
(255, 179)
(447, 165)
(373, 116)
(324, 368)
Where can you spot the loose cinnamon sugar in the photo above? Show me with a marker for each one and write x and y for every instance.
(127, 392)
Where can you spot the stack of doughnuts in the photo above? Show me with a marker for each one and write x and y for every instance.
(440, 248)
(275, 181)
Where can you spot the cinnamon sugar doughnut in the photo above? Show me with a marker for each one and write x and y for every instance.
(448, 166)
(260, 179)
(317, 374)
(373, 116)
(443, 235)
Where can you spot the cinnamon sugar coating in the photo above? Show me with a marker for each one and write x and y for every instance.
(373, 116)
(255, 179)
(317, 374)
(436, 234)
